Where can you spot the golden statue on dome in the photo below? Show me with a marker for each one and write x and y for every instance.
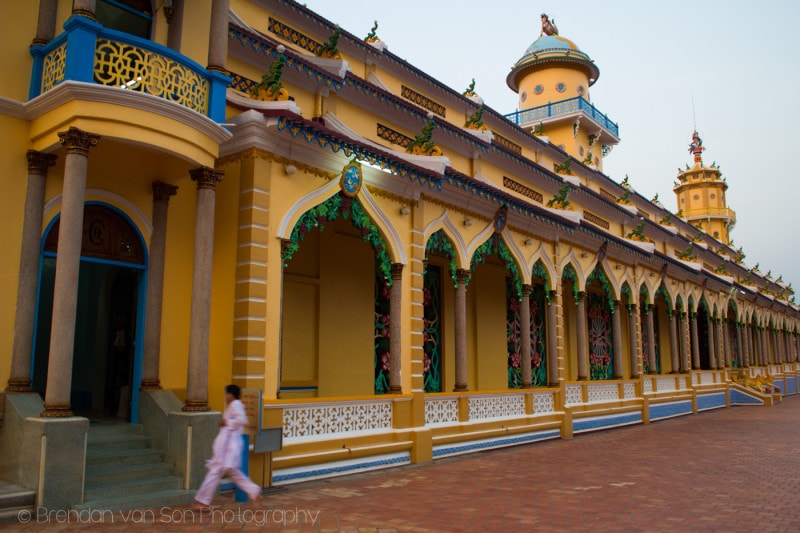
(696, 147)
(549, 26)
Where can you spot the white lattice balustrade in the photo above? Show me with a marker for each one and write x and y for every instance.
(315, 420)
(574, 394)
(629, 390)
(647, 384)
(496, 406)
(706, 378)
(603, 392)
(543, 403)
(665, 384)
(441, 410)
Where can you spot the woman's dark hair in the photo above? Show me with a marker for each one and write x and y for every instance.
(234, 390)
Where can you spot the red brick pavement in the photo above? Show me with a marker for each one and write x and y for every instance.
(731, 470)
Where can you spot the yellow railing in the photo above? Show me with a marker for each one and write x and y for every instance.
(710, 211)
(130, 67)
(54, 66)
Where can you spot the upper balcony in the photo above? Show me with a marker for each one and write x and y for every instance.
(570, 107)
(709, 212)
(88, 52)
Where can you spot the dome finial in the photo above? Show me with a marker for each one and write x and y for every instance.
(696, 147)
(548, 26)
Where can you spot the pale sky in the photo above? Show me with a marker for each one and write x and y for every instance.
(738, 59)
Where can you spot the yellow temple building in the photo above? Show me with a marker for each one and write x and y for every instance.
(240, 191)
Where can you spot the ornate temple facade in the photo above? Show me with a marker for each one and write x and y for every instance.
(399, 271)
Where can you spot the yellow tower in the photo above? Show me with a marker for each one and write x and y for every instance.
(700, 192)
(552, 80)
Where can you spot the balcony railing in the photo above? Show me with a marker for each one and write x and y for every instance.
(710, 211)
(534, 115)
(88, 52)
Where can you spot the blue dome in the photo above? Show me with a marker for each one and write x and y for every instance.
(551, 42)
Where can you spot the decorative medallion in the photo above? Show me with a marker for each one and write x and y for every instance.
(352, 178)
(560, 87)
(539, 89)
(500, 219)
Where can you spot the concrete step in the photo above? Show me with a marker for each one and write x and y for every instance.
(156, 501)
(99, 428)
(115, 473)
(112, 458)
(14, 499)
(107, 443)
(131, 487)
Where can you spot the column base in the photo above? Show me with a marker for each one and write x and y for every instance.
(57, 411)
(195, 406)
(395, 390)
(19, 385)
(151, 384)
(460, 389)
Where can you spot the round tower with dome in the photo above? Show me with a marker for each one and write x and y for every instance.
(552, 79)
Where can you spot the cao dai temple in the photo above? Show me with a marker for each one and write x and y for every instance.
(243, 192)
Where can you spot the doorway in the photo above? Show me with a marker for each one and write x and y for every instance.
(107, 352)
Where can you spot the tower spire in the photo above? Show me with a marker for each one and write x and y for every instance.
(696, 148)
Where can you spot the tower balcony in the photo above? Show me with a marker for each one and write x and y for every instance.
(563, 109)
(710, 212)
(88, 52)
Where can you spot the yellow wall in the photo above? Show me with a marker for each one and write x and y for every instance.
(549, 78)
(17, 37)
(487, 351)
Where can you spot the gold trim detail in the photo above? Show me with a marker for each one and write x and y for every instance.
(422, 101)
(375, 191)
(253, 153)
(506, 143)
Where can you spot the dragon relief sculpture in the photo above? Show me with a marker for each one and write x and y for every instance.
(548, 26)
(475, 121)
(329, 49)
(470, 90)
(560, 200)
(565, 167)
(687, 254)
(372, 36)
(667, 220)
(270, 89)
(422, 143)
(637, 234)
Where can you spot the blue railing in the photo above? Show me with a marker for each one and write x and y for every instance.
(534, 115)
(90, 53)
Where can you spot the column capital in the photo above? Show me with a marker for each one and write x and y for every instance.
(581, 296)
(162, 191)
(617, 304)
(206, 177)
(526, 290)
(462, 276)
(397, 271)
(39, 162)
(78, 141)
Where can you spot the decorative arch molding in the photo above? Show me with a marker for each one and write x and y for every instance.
(318, 196)
(519, 257)
(550, 269)
(571, 259)
(651, 290)
(449, 228)
(52, 209)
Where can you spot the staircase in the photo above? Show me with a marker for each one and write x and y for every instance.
(15, 499)
(124, 472)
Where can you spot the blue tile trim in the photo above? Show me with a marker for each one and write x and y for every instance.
(740, 398)
(338, 469)
(710, 401)
(667, 410)
(593, 423)
(495, 443)
(791, 385)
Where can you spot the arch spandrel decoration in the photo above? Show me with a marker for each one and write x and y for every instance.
(106, 235)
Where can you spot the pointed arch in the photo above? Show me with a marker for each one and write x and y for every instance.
(439, 242)
(600, 275)
(445, 224)
(365, 202)
(573, 261)
(495, 245)
(570, 274)
(646, 293)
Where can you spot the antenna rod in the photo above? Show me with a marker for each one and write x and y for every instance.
(694, 118)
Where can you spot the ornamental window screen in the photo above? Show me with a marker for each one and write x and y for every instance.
(382, 333)
(432, 329)
(600, 343)
(514, 327)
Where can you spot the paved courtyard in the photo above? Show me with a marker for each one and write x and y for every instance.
(727, 470)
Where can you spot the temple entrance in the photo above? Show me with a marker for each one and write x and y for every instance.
(106, 367)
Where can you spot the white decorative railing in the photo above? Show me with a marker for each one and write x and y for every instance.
(496, 406)
(543, 403)
(629, 391)
(705, 378)
(310, 420)
(647, 385)
(665, 384)
(574, 394)
(603, 392)
(441, 410)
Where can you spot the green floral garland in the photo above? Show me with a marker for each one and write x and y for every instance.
(540, 274)
(495, 245)
(600, 276)
(626, 292)
(570, 275)
(439, 243)
(340, 206)
(663, 292)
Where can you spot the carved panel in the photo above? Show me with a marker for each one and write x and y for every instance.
(441, 411)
